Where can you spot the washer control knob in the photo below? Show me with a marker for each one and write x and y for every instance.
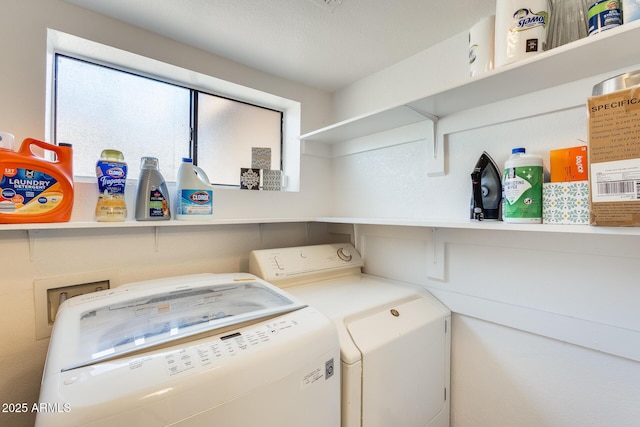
(278, 262)
(344, 254)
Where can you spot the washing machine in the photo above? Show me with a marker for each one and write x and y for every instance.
(199, 350)
(394, 337)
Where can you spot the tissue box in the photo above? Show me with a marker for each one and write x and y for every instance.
(565, 202)
(569, 164)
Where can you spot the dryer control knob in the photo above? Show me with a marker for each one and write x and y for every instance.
(278, 262)
(344, 254)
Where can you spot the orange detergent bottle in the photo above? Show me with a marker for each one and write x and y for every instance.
(34, 188)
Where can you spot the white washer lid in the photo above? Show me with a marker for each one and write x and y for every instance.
(123, 325)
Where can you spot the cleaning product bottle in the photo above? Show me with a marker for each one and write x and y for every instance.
(6, 140)
(603, 15)
(522, 188)
(194, 199)
(152, 198)
(111, 171)
(34, 188)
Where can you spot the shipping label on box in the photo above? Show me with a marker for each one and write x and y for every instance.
(565, 202)
(569, 164)
(614, 158)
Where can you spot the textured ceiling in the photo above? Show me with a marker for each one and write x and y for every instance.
(302, 40)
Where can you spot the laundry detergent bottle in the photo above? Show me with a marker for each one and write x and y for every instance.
(194, 199)
(152, 198)
(36, 188)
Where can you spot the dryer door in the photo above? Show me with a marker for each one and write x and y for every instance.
(404, 365)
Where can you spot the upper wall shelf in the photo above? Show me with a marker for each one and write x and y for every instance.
(603, 53)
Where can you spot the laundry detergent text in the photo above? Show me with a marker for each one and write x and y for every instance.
(30, 184)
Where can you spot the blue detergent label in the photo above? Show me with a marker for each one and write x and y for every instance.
(112, 176)
(195, 202)
(604, 15)
(28, 191)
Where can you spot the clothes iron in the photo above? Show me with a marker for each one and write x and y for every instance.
(486, 196)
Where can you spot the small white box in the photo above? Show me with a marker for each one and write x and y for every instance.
(565, 202)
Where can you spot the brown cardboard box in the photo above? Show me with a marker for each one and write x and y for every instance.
(614, 158)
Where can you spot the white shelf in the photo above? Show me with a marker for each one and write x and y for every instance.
(603, 53)
(79, 225)
(402, 222)
(486, 225)
(366, 124)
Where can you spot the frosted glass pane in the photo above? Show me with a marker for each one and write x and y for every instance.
(98, 108)
(227, 130)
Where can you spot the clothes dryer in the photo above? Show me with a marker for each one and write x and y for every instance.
(394, 337)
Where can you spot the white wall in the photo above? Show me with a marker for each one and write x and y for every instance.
(130, 254)
(508, 369)
(546, 329)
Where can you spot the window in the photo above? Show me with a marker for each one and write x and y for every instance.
(100, 102)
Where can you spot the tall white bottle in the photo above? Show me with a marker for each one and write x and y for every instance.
(194, 201)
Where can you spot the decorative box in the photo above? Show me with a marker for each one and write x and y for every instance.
(565, 202)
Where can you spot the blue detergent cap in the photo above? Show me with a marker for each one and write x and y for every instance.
(518, 150)
(187, 160)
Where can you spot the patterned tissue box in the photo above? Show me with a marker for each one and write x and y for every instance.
(271, 180)
(565, 202)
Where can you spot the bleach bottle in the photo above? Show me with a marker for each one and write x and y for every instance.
(522, 188)
(194, 199)
(35, 188)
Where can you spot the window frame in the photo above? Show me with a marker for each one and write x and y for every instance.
(87, 50)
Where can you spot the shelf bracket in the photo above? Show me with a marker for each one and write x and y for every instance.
(436, 255)
(435, 157)
(156, 237)
(31, 235)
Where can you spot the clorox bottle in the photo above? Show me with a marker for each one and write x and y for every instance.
(194, 199)
(34, 188)
(111, 171)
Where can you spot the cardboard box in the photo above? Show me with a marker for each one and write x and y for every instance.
(614, 158)
(569, 164)
(565, 202)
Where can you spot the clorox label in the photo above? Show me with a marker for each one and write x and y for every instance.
(195, 202)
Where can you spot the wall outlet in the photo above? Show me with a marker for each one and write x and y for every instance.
(51, 292)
